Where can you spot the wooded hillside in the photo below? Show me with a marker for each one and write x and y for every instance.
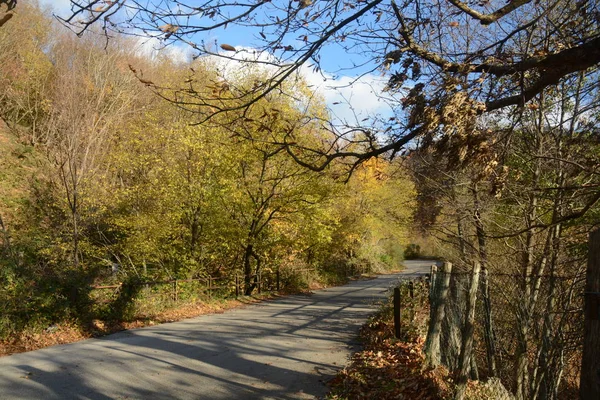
(105, 183)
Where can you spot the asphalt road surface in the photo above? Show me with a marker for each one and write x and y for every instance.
(281, 349)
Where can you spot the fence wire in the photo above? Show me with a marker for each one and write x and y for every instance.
(542, 314)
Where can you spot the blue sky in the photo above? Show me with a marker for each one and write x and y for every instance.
(345, 97)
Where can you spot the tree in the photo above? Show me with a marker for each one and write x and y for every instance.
(374, 212)
(105, 183)
(270, 188)
(6, 7)
(85, 107)
(448, 61)
(26, 72)
(197, 200)
(522, 210)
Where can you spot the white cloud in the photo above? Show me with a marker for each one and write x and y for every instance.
(59, 7)
(153, 48)
(243, 61)
(350, 99)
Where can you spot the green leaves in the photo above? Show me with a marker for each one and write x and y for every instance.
(106, 183)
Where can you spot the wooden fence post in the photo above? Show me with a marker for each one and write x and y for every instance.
(589, 388)
(397, 313)
(432, 279)
(432, 289)
(438, 295)
(237, 285)
(175, 290)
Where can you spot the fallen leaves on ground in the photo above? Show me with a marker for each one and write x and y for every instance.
(69, 332)
(387, 368)
(53, 335)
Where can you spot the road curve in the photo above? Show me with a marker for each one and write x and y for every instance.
(281, 349)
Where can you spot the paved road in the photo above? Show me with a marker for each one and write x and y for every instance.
(281, 349)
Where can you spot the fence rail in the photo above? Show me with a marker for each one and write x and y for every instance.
(262, 281)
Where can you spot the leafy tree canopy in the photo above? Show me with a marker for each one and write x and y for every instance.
(446, 62)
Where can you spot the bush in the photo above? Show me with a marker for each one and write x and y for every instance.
(412, 251)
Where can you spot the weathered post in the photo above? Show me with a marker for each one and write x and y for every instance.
(237, 285)
(175, 290)
(397, 313)
(589, 388)
(438, 295)
(432, 280)
(432, 289)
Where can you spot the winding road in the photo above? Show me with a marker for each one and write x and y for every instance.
(281, 349)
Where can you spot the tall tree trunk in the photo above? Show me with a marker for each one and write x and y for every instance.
(71, 186)
(248, 284)
(547, 379)
(546, 384)
(524, 307)
(490, 343)
(589, 388)
(466, 348)
(75, 217)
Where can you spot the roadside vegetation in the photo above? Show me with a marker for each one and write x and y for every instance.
(108, 189)
(135, 169)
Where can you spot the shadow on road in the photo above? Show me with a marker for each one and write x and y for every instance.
(281, 349)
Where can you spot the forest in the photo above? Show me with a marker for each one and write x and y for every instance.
(124, 165)
(103, 182)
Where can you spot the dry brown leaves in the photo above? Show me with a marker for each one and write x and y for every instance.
(28, 341)
(69, 332)
(387, 369)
